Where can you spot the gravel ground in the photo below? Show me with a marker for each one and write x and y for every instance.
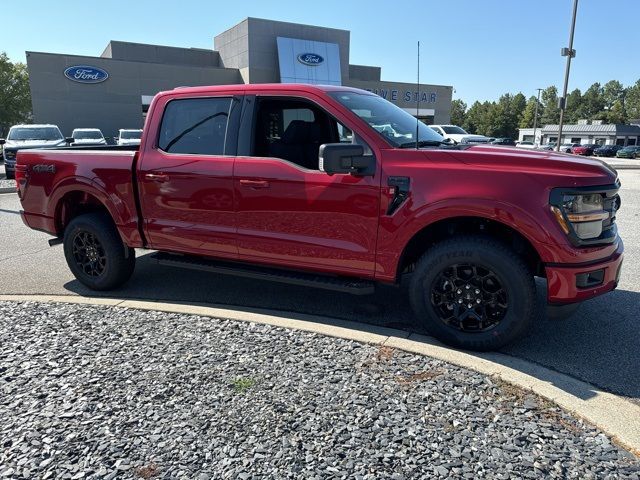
(100, 392)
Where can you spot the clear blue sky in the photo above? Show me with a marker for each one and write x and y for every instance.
(482, 47)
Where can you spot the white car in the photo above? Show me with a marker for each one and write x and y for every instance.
(528, 145)
(128, 136)
(88, 136)
(458, 134)
(28, 136)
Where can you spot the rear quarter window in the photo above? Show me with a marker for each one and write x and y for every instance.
(195, 126)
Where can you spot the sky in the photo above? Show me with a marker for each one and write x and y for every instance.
(483, 48)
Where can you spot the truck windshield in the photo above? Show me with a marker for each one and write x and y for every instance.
(35, 133)
(453, 130)
(87, 135)
(396, 125)
(131, 134)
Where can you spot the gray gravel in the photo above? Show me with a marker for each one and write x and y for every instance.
(5, 184)
(99, 392)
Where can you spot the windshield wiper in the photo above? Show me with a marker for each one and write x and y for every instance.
(422, 143)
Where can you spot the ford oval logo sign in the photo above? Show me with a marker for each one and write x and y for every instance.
(86, 74)
(310, 59)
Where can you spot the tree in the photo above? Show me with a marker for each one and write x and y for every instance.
(528, 115)
(15, 97)
(612, 92)
(458, 111)
(573, 111)
(632, 101)
(551, 112)
(593, 102)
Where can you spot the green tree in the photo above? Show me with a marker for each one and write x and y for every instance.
(573, 110)
(458, 111)
(593, 102)
(15, 97)
(528, 115)
(632, 101)
(550, 113)
(612, 91)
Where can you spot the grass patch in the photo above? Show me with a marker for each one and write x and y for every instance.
(241, 385)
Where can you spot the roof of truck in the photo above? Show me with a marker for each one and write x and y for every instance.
(253, 87)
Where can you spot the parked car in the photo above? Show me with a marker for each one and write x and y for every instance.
(28, 136)
(606, 150)
(503, 141)
(458, 135)
(88, 136)
(468, 226)
(586, 149)
(547, 146)
(529, 145)
(632, 151)
(128, 136)
(568, 147)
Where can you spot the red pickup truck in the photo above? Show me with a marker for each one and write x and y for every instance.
(336, 188)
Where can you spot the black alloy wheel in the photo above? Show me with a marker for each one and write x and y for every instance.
(469, 297)
(89, 254)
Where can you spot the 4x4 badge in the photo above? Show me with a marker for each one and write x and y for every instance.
(42, 168)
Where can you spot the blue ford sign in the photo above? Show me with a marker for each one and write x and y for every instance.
(86, 74)
(310, 59)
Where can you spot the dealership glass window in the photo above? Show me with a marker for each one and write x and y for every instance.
(527, 138)
(631, 141)
(293, 130)
(577, 140)
(600, 141)
(620, 141)
(195, 126)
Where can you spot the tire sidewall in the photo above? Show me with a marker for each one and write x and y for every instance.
(513, 276)
(112, 247)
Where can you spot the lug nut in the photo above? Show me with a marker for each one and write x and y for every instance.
(477, 291)
(467, 287)
(459, 300)
(478, 300)
(470, 305)
(458, 291)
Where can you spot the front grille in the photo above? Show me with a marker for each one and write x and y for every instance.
(9, 154)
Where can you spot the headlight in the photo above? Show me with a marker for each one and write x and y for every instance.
(584, 214)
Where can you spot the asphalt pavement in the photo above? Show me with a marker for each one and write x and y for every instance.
(599, 344)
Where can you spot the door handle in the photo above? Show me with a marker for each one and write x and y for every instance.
(254, 183)
(156, 177)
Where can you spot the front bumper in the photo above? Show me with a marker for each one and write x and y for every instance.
(576, 283)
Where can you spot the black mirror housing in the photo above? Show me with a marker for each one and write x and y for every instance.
(2, 141)
(346, 158)
(69, 140)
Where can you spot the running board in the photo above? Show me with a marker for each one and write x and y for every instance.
(353, 286)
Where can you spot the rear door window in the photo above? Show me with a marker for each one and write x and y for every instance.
(195, 126)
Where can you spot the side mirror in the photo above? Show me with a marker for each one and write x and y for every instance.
(69, 140)
(345, 158)
(2, 141)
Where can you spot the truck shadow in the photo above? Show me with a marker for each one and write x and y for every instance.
(599, 344)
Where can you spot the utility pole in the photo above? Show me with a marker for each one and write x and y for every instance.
(535, 117)
(569, 53)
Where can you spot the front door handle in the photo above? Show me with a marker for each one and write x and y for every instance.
(156, 177)
(254, 183)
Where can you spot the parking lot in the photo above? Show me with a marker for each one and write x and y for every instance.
(599, 344)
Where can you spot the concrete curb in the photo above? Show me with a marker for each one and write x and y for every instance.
(614, 415)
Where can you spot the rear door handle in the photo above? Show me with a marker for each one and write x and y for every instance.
(156, 177)
(254, 183)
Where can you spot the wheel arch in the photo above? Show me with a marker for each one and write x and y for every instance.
(449, 227)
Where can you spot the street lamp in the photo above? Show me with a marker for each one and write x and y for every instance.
(569, 53)
(535, 117)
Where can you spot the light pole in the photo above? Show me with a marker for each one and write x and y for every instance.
(535, 117)
(569, 53)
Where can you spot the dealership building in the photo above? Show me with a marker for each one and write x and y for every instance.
(114, 90)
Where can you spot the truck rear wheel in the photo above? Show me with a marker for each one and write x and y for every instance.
(474, 293)
(95, 252)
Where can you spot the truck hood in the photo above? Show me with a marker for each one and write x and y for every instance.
(567, 170)
(19, 144)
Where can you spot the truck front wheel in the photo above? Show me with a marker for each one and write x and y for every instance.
(474, 293)
(95, 252)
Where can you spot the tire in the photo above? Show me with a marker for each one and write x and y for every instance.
(108, 262)
(9, 176)
(502, 293)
